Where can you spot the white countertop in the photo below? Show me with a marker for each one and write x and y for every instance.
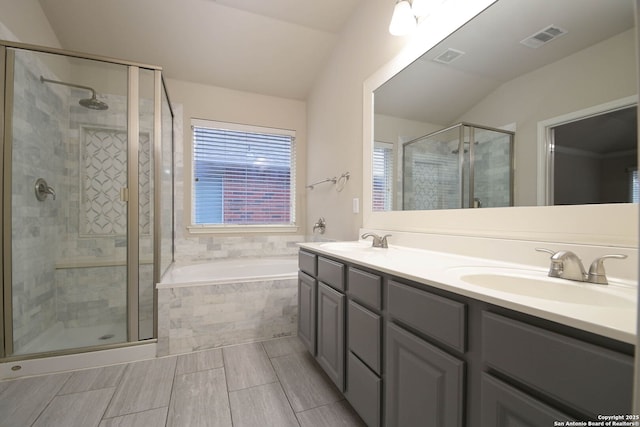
(588, 311)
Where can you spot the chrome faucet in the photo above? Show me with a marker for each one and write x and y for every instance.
(567, 265)
(378, 242)
(321, 225)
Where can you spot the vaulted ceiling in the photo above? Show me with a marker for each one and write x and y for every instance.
(273, 47)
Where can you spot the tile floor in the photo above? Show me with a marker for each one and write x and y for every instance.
(272, 383)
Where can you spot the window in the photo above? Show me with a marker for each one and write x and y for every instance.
(382, 176)
(243, 176)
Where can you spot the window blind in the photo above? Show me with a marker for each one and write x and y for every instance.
(382, 177)
(243, 177)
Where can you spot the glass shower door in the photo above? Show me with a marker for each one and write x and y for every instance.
(493, 180)
(432, 171)
(66, 177)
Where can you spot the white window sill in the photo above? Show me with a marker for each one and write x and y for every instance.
(241, 229)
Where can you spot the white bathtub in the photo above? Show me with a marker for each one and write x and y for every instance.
(227, 302)
(231, 270)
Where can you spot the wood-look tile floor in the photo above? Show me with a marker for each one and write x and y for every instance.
(272, 383)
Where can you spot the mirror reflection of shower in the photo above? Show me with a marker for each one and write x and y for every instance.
(92, 103)
(466, 150)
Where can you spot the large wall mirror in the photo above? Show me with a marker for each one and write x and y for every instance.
(534, 100)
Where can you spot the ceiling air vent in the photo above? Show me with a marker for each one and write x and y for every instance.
(544, 36)
(448, 56)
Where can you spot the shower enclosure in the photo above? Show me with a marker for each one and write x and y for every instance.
(87, 191)
(444, 170)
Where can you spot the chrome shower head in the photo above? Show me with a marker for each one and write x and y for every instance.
(92, 103)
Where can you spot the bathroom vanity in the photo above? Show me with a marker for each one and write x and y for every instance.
(413, 348)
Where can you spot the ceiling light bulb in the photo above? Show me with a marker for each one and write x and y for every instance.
(421, 7)
(403, 20)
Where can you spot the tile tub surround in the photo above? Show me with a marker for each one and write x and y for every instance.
(280, 385)
(206, 316)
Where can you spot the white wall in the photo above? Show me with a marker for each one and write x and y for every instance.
(226, 105)
(335, 116)
(367, 53)
(28, 23)
(607, 73)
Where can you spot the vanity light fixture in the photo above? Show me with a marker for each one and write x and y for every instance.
(408, 13)
(403, 19)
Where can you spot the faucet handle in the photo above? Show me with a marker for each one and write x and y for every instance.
(383, 240)
(597, 273)
(549, 251)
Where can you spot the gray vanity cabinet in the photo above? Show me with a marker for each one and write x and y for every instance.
(321, 312)
(505, 406)
(424, 385)
(307, 291)
(364, 338)
(408, 354)
(586, 378)
(330, 349)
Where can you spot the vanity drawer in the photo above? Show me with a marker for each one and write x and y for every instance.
(364, 335)
(592, 379)
(365, 287)
(503, 405)
(440, 318)
(331, 273)
(364, 391)
(307, 262)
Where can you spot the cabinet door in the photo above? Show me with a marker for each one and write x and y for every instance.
(364, 391)
(307, 311)
(330, 353)
(504, 406)
(424, 385)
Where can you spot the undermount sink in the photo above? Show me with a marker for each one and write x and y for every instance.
(536, 284)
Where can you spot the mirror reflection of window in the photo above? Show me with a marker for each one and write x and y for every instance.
(383, 176)
(594, 159)
(634, 186)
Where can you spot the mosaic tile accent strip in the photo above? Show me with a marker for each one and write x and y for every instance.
(104, 174)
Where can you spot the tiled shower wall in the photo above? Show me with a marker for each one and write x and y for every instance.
(40, 117)
(95, 225)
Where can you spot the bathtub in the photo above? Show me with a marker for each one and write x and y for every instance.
(226, 302)
(230, 271)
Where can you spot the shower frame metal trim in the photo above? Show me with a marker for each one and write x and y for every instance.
(133, 205)
(7, 114)
(73, 54)
(5, 306)
(7, 64)
(157, 182)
